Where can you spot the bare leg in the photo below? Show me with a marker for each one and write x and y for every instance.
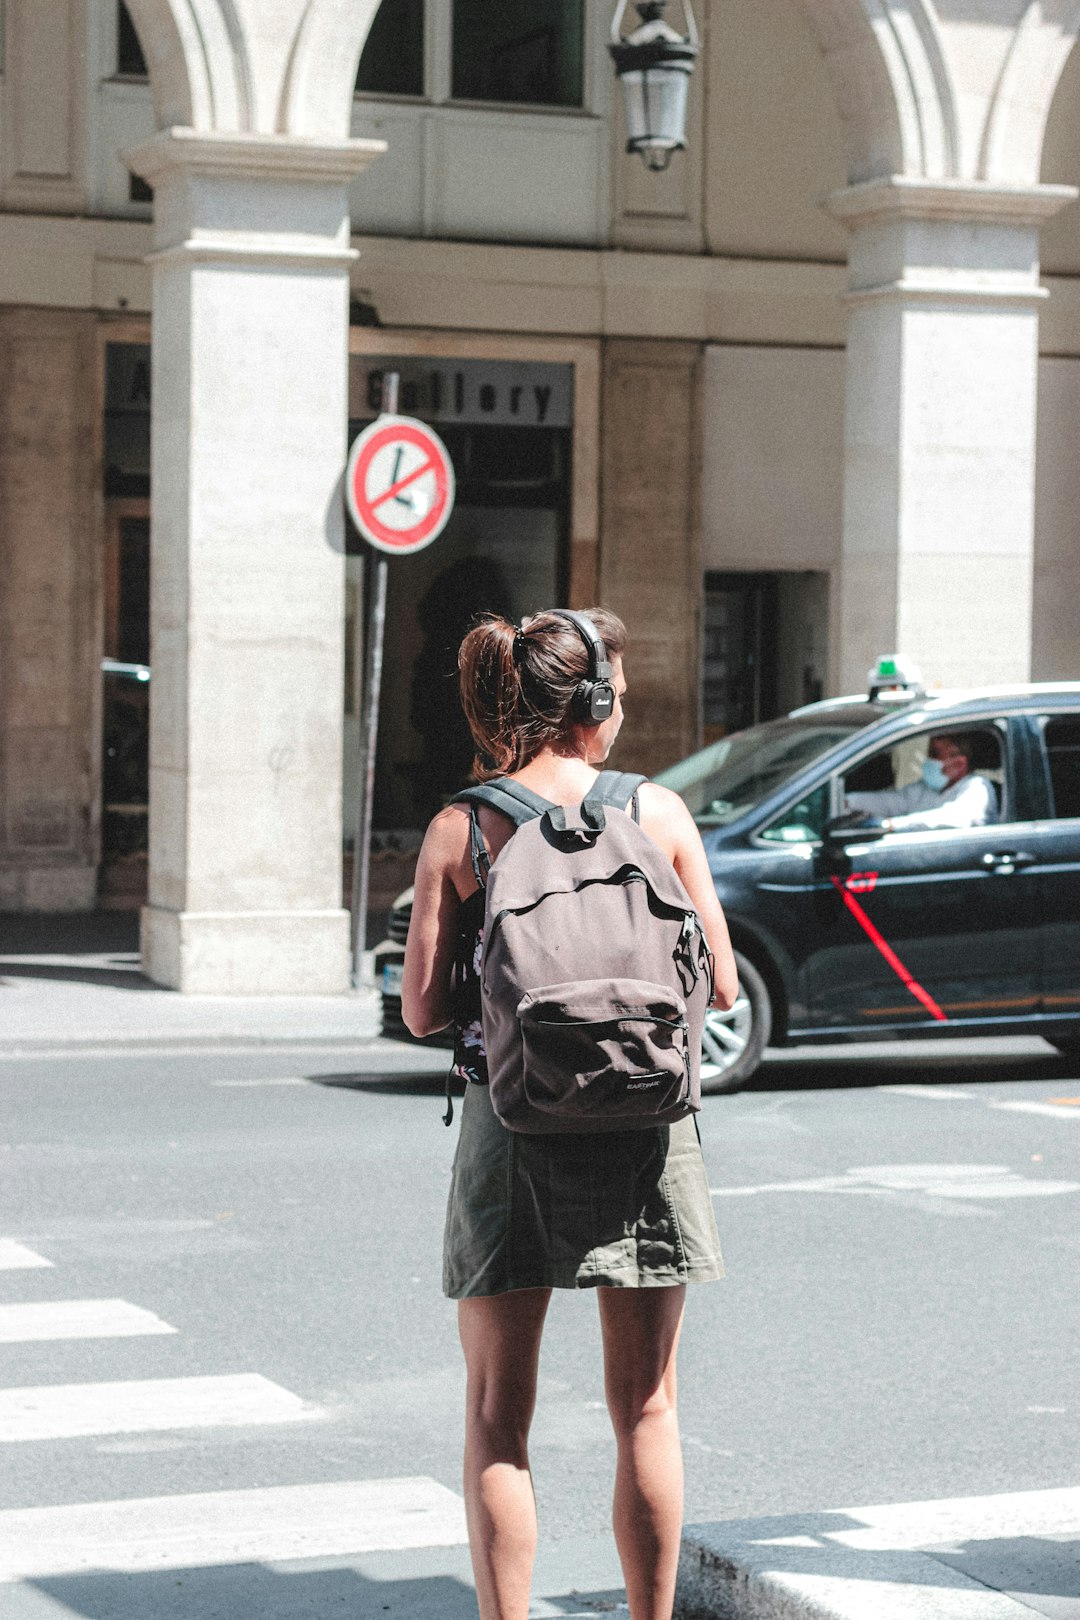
(501, 1340)
(641, 1336)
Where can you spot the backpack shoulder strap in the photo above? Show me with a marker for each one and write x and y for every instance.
(517, 803)
(619, 789)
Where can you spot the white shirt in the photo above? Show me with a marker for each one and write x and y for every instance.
(971, 802)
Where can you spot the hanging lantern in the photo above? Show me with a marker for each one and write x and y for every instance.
(654, 65)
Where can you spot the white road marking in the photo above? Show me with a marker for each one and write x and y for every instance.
(77, 1319)
(14, 1257)
(1048, 1110)
(935, 1093)
(901, 1525)
(62, 1411)
(268, 1526)
(932, 1180)
(288, 1080)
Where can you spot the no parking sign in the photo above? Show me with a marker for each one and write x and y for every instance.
(399, 485)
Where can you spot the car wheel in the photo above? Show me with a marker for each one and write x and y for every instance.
(733, 1042)
(1068, 1044)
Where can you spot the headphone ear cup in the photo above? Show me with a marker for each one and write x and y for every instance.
(581, 704)
(601, 701)
(593, 702)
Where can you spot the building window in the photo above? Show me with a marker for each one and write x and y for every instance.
(393, 60)
(519, 51)
(130, 60)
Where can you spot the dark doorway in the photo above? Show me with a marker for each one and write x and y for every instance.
(504, 550)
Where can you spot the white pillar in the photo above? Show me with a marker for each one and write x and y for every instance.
(248, 445)
(940, 427)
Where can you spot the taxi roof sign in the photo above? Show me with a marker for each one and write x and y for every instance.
(895, 678)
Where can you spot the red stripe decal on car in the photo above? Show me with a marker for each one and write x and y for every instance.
(863, 883)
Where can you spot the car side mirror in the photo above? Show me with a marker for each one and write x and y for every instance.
(840, 831)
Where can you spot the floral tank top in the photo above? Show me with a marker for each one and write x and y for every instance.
(470, 1059)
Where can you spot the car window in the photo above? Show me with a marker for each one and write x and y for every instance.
(730, 777)
(1062, 735)
(881, 784)
(802, 822)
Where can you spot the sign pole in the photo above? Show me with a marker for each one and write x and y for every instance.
(361, 873)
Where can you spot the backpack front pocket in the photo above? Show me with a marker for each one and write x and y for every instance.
(605, 1049)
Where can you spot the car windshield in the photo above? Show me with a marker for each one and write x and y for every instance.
(731, 777)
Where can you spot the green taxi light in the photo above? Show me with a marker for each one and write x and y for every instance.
(894, 677)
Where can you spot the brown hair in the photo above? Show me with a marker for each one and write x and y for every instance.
(517, 683)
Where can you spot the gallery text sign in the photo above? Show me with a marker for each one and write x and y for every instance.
(502, 393)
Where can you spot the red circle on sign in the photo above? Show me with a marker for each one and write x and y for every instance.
(364, 504)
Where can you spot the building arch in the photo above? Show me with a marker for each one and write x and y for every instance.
(317, 93)
(864, 99)
(196, 60)
(1016, 124)
(216, 66)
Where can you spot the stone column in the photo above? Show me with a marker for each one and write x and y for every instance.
(249, 441)
(940, 427)
(650, 542)
(50, 591)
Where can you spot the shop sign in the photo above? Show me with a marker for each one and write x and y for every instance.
(500, 393)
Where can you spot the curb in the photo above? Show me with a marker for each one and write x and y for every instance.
(1001, 1557)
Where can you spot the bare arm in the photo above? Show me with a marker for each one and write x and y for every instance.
(666, 819)
(426, 991)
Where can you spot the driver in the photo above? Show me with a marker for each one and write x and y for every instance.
(946, 795)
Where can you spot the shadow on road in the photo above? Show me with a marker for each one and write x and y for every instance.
(401, 1085)
(803, 1071)
(121, 976)
(254, 1589)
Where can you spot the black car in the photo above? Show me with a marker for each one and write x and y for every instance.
(848, 931)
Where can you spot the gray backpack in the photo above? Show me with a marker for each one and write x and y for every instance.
(595, 973)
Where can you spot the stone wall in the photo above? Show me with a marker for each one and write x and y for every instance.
(650, 547)
(50, 723)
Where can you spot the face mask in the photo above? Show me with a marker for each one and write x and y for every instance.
(933, 775)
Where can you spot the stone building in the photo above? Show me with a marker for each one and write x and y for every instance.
(776, 406)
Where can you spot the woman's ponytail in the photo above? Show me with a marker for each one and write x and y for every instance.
(491, 695)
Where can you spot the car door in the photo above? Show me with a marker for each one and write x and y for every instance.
(1055, 746)
(919, 928)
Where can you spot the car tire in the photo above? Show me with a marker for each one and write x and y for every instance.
(734, 1042)
(1068, 1045)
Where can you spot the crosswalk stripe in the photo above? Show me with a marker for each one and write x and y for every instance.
(1048, 1110)
(77, 1319)
(230, 1527)
(63, 1411)
(15, 1257)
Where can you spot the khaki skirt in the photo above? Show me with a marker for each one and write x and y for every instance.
(628, 1209)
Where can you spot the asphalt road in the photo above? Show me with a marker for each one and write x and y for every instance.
(899, 1321)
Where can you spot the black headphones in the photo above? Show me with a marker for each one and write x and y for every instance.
(594, 697)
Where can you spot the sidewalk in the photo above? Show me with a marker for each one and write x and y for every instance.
(74, 982)
(975, 1558)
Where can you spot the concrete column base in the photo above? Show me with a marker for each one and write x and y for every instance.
(48, 888)
(247, 953)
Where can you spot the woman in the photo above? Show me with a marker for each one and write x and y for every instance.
(627, 1212)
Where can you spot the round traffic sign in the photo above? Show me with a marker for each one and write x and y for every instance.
(399, 484)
